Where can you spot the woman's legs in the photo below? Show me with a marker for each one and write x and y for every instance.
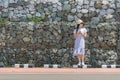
(81, 59)
(82, 56)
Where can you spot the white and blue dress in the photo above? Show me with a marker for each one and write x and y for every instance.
(79, 44)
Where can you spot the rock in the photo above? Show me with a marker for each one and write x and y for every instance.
(58, 19)
(14, 5)
(78, 10)
(54, 9)
(105, 2)
(92, 3)
(113, 34)
(105, 7)
(66, 7)
(100, 38)
(38, 14)
(5, 15)
(98, 5)
(59, 3)
(118, 5)
(6, 3)
(73, 11)
(108, 16)
(30, 28)
(110, 11)
(112, 6)
(80, 2)
(29, 15)
(84, 11)
(55, 5)
(92, 9)
(95, 20)
(11, 1)
(103, 59)
(79, 15)
(70, 18)
(59, 8)
(26, 0)
(26, 39)
(2, 64)
(103, 12)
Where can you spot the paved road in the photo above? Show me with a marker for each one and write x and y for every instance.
(59, 76)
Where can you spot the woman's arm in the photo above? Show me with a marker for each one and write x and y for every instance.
(76, 35)
(85, 35)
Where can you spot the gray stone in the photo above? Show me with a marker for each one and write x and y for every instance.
(55, 5)
(6, 3)
(105, 2)
(59, 8)
(103, 12)
(73, 11)
(95, 20)
(98, 5)
(54, 9)
(108, 16)
(2, 64)
(80, 2)
(57, 19)
(70, 18)
(112, 6)
(26, 39)
(84, 11)
(110, 11)
(11, 1)
(118, 5)
(30, 28)
(100, 38)
(66, 7)
(59, 3)
(29, 15)
(79, 15)
(38, 14)
(92, 3)
(92, 9)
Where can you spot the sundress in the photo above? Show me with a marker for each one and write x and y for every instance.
(79, 45)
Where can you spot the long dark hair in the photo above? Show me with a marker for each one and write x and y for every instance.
(77, 28)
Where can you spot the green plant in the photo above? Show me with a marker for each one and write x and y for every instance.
(3, 21)
(35, 19)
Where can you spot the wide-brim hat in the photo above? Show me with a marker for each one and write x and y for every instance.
(79, 21)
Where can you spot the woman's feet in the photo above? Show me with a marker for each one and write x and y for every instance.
(83, 63)
(79, 64)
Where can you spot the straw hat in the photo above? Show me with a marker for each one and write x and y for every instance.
(79, 21)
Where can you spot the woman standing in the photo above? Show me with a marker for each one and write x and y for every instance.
(79, 45)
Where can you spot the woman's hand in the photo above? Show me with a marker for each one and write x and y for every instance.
(85, 35)
(76, 35)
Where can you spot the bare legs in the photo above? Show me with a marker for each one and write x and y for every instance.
(80, 59)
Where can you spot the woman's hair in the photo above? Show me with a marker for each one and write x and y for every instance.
(77, 28)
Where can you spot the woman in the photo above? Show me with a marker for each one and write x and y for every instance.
(79, 46)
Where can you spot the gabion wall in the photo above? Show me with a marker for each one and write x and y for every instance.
(40, 43)
(41, 31)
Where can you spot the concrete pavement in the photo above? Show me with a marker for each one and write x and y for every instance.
(59, 74)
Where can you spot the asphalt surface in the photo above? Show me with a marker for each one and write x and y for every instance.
(60, 76)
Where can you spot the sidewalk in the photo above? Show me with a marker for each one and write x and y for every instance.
(58, 70)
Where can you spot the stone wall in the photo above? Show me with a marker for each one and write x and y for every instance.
(41, 31)
(44, 42)
(94, 11)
